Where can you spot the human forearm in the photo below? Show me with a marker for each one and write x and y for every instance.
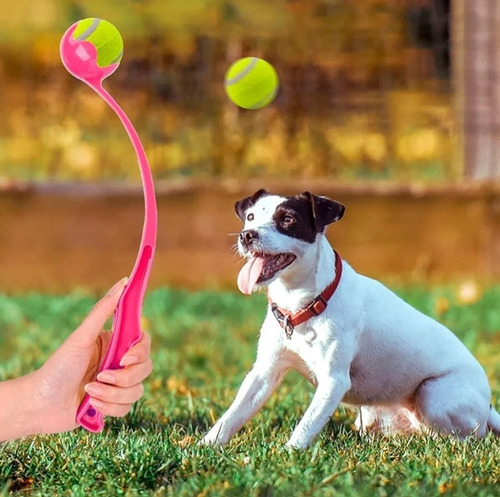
(18, 411)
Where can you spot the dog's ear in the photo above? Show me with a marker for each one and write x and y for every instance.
(324, 210)
(242, 205)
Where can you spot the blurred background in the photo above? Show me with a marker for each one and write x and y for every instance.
(390, 106)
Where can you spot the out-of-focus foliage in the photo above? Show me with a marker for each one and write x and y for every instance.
(359, 97)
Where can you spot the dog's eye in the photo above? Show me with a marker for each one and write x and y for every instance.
(250, 217)
(287, 219)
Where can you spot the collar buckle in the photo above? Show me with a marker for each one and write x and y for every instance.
(317, 306)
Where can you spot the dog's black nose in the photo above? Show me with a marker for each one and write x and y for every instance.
(247, 237)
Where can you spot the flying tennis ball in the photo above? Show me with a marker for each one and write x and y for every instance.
(105, 38)
(251, 83)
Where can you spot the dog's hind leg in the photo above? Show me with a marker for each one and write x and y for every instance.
(494, 421)
(452, 405)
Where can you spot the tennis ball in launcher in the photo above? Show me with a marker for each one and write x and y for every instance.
(251, 83)
(91, 49)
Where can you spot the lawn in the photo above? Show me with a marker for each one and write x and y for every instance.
(204, 343)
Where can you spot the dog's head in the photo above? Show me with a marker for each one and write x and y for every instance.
(279, 232)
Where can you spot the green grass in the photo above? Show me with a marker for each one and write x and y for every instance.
(204, 343)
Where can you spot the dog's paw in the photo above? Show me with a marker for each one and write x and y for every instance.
(295, 445)
(208, 441)
(213, 438)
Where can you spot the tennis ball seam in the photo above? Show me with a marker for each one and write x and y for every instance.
(88, 31)
(104, 36)
(251, 83)
(262, 103)
(235, 79)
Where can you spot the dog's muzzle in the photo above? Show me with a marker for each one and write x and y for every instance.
(248, 238)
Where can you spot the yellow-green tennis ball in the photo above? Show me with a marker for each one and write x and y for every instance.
(251, 83)
(104, 36)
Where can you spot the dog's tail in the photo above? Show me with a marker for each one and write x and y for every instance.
(494, 421)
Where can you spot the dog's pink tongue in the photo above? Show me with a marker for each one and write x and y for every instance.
(249, 274)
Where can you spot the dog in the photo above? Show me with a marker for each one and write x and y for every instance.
(352, 337)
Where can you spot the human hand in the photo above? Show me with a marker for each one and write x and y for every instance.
(59, 385)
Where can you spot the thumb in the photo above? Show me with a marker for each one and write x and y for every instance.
(89, 330)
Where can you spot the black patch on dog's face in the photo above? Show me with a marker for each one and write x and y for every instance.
(294, 218)
(304, 216)
(241, 206)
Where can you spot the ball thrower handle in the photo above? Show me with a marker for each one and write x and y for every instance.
(127, 329)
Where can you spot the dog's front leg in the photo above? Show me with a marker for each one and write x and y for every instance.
(327, 397)
(256, 388)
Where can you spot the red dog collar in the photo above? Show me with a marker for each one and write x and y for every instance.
(288, 321)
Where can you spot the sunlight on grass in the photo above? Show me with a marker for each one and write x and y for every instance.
(203, 345)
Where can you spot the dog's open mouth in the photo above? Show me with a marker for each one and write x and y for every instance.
(260, 268)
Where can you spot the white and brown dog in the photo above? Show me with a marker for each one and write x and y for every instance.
(348, 334)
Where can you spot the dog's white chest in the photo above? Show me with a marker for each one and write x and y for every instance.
(308, 350)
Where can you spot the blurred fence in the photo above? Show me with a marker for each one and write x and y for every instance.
(365, 91)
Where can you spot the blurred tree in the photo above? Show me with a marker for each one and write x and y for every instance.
(362, 90)
(478, 28)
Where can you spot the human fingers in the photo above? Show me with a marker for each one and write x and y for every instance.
(111, 394)
(110, 409)
(128, 376)
(91, 326)
(139, 352)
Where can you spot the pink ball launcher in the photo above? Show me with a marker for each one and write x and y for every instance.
(80, 59)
